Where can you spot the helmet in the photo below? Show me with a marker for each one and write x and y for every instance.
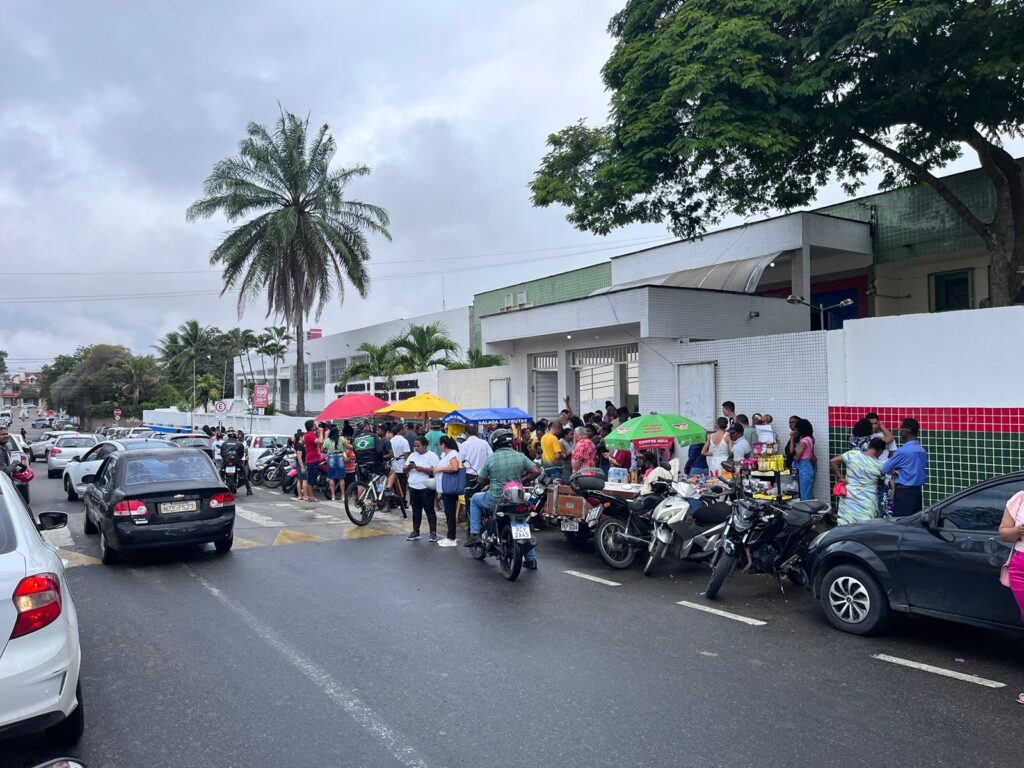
(23, 473)
(513, 493)
(501, 438)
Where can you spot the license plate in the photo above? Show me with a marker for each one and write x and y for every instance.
(229, 470)
(520, 531)
(570, 525)
(177, 506)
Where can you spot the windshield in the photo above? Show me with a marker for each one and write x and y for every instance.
(76, 442)
(167, 469)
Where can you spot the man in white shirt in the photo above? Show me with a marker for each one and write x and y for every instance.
(474, 451)
(399, 451)
(740, 446)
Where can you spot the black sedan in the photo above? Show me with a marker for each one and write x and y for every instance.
(157, 497)
(942, 562)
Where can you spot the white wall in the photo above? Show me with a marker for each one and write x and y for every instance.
(471, 387)
(949, 359)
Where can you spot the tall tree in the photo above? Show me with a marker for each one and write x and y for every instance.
(3, 362)
(276, 347)
(381, 362)
(207, 389)
(725, 106)
(304, 238)
(61, 365)
(188, 352)
(138, 373)
(423, 347)
(477, 359)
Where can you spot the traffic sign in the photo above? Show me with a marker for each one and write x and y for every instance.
(221, 406)
(260, 395)
(117, 414)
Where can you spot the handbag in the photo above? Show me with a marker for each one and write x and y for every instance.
(431, 483)
(1004, 571)
(839, 489)
(455, 482)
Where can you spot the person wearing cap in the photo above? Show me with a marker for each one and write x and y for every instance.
(909, 463)
(434, 438)
(741, 448)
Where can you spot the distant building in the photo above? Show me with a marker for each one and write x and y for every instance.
(21, 387)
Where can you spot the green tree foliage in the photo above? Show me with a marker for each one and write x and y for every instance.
(747, 106)
(96, 380)
(380, 362)
(61, 365)
(300, 238)
(423, 347)
(3, 361)
(207, 389)
(477, 359)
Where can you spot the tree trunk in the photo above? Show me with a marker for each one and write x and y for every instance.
(300, 373)
(1003, 276)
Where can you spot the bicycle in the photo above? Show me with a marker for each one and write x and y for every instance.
(367, 495)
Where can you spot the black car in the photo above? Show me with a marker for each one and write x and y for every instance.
(942, 562)
(157, 497)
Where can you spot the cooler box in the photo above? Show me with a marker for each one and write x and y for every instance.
(565, 503)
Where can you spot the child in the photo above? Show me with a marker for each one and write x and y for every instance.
(765, 431)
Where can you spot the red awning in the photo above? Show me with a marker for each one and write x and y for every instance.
(352, 406)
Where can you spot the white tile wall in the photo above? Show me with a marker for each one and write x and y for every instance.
(470, 388)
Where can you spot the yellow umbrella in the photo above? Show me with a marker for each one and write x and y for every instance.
(425, 406)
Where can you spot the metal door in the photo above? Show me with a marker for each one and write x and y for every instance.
(545, 394)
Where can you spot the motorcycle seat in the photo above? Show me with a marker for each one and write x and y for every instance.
(645, 503)
(712, 514)
(810, 506)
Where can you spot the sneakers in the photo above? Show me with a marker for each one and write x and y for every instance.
(433, 538)
(413, 536)
(473, 540)
(530, 565)
(447, 543)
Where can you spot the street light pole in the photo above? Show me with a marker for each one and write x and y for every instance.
(822, 309)
(192, 411)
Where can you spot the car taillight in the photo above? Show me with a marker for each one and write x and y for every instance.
(37, 600)
(221, 500)
(54, 451)
(131, 508)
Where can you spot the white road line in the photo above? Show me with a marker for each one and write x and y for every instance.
(284, 504)
(258, 518)
(938, 670)
(723, 614)
(598, 579)
(276, 493)
(59, 537)
(365, 716)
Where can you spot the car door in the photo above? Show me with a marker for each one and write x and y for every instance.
(953, 567)
(97, 491)
(90, 463)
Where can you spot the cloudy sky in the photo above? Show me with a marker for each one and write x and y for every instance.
(112, 114)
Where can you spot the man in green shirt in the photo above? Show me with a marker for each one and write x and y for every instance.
(434, 438)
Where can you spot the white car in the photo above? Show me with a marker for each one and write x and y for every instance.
(261, 443)
(16, 447)
(40, 447)
(40, 654)
(89, 462)
(65, 449)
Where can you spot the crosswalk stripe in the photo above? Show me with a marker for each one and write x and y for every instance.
(365, 533)
(76, 559)
(59, 537)
(289, 536)
(246, 544)
(258, 517)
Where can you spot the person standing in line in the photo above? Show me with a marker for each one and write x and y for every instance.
(311, 442)
(447, 474)
(717, 447)
(803, 458)
(300, 466)
(609, 412)
(740, 448)
(552, 452)
(474, 452)
(419, 468)
(794, 438)
(1011, 530)
(334, 448)
(400, 451)
(748, 431)
(566, 442)
(434, 438)
(909, 464)
(861, 476)
(538, 435)
(346, 430)
(729, 412)
(584, 452)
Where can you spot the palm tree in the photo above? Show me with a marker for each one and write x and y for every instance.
(239, 342)
(304, 239)
(422, 347)
(381, 362)
(477, 359)
(181, 349)
(207, 389)
(276, 347)
(137, 373)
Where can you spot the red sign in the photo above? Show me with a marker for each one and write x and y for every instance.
(261, 395)
(117, 413)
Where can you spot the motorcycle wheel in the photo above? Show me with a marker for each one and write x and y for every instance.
(256, 478)
(722, 569)
(617, 554)
(288, 484)
(272, 477)
(359, 511)
(510, 555)
(654, 557)
(478, 551)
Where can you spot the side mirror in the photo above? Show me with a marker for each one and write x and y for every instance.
(930, 519)
(50, 520)
(729, 467)
(89, 479)
(76, 458)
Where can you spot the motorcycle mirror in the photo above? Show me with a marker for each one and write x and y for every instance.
(729, 466)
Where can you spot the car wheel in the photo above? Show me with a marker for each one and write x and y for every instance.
(69, 489)
(853, 601)
(31, 457)
(69, 730)
(224, 545)
(107, 555)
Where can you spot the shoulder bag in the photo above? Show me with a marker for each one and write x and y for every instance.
(1004, 572)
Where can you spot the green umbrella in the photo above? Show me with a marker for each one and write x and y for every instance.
(656, 430)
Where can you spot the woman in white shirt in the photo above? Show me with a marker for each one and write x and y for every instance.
(717, 448)
(447, 474)
(419, 468)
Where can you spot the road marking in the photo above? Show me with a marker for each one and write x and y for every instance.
(938, 670)
(284, 504)
(598, 579)
(59, 537)
(245, 543)
(288, 536)
(258, 517)
(276, 493)
(364, 533)
(76, 559)
(723, 614)
(364, 715)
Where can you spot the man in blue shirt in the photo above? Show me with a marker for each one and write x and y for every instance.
(909, 463)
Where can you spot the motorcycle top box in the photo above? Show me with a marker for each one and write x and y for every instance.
(588, 479)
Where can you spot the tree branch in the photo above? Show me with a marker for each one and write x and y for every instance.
(958, 205)
(1015, 180)
(983, 147)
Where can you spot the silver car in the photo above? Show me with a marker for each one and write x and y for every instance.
(64, 450)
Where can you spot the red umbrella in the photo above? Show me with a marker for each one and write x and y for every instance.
(352, 406)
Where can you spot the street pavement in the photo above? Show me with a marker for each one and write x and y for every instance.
(317, 643)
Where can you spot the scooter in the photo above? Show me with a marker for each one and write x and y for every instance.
(686, 526)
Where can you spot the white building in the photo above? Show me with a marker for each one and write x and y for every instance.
(328, 356)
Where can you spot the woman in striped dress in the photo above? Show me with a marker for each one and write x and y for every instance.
(861, 472)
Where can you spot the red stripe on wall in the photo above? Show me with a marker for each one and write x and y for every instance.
(946, 419)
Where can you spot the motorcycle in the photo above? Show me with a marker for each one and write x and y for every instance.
(505, 532)
(272, 467)
(686, 527)
(766, 537)
(231, 471)
(622, 528)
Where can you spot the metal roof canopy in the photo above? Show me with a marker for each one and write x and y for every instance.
(742, 276)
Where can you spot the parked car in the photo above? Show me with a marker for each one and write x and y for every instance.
(260, 444)
(157, 497)
(40, 654)
(89, 463)
(40, 447)
(16, 448)
(66, 448)
(202, 442)
(42, 423)
(942, 562)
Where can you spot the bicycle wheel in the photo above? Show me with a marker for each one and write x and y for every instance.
(358, 506)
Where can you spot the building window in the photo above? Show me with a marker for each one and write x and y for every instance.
(522, 298)
(305, 376)
(508, 300)
(597, 383)
(319, 378)
(951, 290)
(337, 368)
